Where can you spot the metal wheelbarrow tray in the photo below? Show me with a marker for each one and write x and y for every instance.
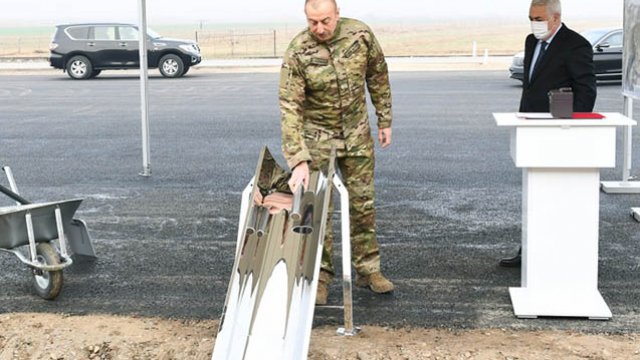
(13, 223)
(37, 227)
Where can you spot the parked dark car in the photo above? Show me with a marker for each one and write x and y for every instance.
(84, 50)
(607, 55)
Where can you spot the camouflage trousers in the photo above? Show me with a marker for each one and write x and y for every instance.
(357, 175)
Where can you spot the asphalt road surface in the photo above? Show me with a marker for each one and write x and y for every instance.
(449, 197)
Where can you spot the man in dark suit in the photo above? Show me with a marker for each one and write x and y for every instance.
(554, 57)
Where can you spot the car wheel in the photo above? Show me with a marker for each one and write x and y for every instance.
(95, 73)
(171, 66)
(79, 67)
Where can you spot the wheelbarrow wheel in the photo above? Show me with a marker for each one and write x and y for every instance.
(47, 283)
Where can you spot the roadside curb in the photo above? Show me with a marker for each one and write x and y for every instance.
(40, 65)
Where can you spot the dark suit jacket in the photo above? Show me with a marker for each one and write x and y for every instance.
(568, 62)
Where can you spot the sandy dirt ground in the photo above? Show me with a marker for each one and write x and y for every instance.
(59, 336)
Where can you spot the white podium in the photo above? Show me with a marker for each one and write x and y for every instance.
(560, 161)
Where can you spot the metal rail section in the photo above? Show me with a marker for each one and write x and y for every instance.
(270, 301)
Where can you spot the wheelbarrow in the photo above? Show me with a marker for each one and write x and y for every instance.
(38, 234)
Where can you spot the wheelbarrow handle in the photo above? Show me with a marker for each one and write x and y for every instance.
(14, 196)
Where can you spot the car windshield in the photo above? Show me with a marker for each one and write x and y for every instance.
(594, 35)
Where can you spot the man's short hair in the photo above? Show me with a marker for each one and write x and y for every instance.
(553, 6)
(315, 3)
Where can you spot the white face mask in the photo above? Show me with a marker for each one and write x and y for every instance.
(540, 29)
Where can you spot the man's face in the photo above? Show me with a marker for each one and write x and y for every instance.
(539, 13)
(322, 19)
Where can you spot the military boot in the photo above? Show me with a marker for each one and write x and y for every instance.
(376, 282)
(323, 288)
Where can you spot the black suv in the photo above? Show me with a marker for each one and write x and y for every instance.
(84, 50)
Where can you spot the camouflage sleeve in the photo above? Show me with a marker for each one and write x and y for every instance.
(378, 83)
(291, 95)
(281, 183)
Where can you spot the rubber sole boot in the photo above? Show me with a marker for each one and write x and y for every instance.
(376, 282)
(514, 262)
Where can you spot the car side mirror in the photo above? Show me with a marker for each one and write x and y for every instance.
(602, 46)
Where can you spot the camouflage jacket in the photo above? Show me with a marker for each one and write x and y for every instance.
(322, 91)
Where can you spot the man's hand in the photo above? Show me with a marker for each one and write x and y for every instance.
(300, 175)
(278, 201)
(384, 137)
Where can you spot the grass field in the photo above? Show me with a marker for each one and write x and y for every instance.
(237, 41)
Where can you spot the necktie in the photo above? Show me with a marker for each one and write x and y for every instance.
(543, 50)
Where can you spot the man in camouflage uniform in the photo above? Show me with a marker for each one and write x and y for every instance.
(323, 104)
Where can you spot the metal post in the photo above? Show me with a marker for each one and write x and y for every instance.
(274, 43)
(348, 329)
(626, 168)
(144, 96)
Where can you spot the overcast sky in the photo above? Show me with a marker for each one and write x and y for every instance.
(49, 12)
